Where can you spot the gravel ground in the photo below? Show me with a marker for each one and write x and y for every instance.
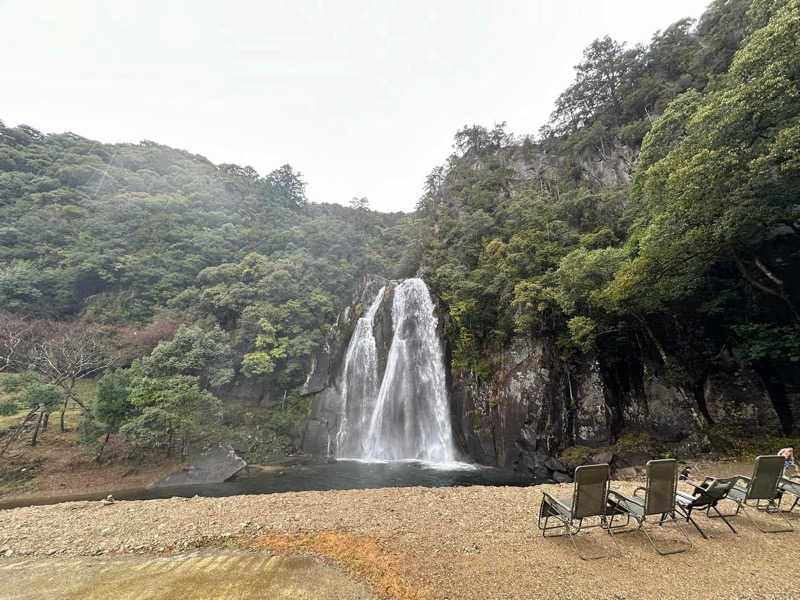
(457, 543)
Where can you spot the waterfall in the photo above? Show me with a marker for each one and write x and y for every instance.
(359, 382)
(407, 416)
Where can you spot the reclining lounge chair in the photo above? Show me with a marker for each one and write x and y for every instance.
(589, 499)
(658, 499)
(761, 491)
(705, 497)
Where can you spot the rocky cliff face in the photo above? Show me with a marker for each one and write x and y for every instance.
(535, 405)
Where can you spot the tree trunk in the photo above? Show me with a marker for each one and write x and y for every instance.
(778, 293)
(38, 426)
(46, 421)
(19, 431)
(103, 446)
(63, 410)
(661, 352)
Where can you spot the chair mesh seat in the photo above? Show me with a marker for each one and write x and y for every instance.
(737, 493)
(631, 505)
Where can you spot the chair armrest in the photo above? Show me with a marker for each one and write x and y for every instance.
(788, 481)
(700, 487)
(617, 495)
(553, 500)
(557, 504)
(620, 497)
(548, 496)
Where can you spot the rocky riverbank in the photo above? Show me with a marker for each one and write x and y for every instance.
(471, 542)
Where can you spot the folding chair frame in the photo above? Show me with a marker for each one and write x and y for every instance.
(665, 517)
(686, 511)
(767, 505)
(551, 508)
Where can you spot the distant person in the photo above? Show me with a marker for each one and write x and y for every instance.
(687, 475)
(788, 455)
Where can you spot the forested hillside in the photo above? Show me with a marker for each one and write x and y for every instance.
(133, 241)
(655, 215)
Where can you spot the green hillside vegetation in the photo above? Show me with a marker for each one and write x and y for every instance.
(655, 214)
(697, 255)
(136, 240)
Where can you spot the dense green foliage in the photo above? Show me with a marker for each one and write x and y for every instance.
(697, 254)
(115, 232)
(137, 239)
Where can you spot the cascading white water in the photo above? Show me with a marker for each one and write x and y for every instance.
(359, 382)
(407, 417)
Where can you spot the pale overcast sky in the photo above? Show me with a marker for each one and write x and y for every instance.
(362, 97)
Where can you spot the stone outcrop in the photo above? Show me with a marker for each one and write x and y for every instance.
(533, 407)
(739, 398)
(215, 465)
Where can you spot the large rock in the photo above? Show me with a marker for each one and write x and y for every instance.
(740, 398)
(247, 389)
(519, 417)
(534, 405)
(212, 466)
(315, 438)
(593, 419)
(651, 402)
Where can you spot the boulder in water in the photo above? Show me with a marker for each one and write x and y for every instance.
(212, 466)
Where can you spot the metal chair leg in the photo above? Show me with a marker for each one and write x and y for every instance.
(721, 516)
(655, 546)
(786, 529)
(687, 515)
(617, 552)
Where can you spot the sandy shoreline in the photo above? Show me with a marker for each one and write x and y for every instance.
(470, 542)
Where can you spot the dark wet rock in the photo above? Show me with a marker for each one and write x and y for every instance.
(314, 437)
(601, 458)
(659, 406)
(562, 477)
(212, 466)
(633, 459)
(554, 464)
(593, 419)
(692, 446)
(739, 398)
(326, 364)
(625, 473)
